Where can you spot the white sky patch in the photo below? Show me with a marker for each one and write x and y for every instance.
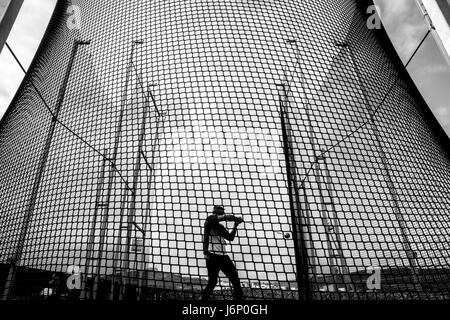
(443, 114)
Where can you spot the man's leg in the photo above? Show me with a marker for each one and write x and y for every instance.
(213, 274)
(230, 271)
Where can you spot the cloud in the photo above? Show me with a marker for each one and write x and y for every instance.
(442, 113)
(404, 23)
(428, 73)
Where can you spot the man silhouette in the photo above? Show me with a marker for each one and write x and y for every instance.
(215, 251)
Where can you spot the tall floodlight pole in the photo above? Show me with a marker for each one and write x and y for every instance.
(39, 175)
(131, 223)
(105, 204)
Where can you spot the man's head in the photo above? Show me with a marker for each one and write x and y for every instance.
(219, 210)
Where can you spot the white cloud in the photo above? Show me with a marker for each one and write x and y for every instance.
(24, 39)
(405, 24)
(432, 69)
(443, 114)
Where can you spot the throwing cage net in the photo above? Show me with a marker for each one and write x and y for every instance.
(132, 124)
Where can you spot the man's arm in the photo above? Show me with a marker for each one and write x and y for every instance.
(229, 235)
(229, 217)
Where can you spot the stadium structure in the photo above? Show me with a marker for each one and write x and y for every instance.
(131, 125)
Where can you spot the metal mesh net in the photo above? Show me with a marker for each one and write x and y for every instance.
(292, 114)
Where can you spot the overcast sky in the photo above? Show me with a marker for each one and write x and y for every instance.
(429, 69)
(402, 19)
(24, 39)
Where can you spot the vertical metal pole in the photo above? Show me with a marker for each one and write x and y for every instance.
(39, 174)
(300, 190)
(113, 158)
(111, 177)
(151, 166)
(336, 259)
(327, 224)
(132, 209)
(117, 250)
(301, 254)
(98, 206)
(308, 212)
(392, 190)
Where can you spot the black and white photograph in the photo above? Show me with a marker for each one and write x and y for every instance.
(220, 156)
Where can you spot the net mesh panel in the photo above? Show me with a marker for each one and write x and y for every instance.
(292, 114)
